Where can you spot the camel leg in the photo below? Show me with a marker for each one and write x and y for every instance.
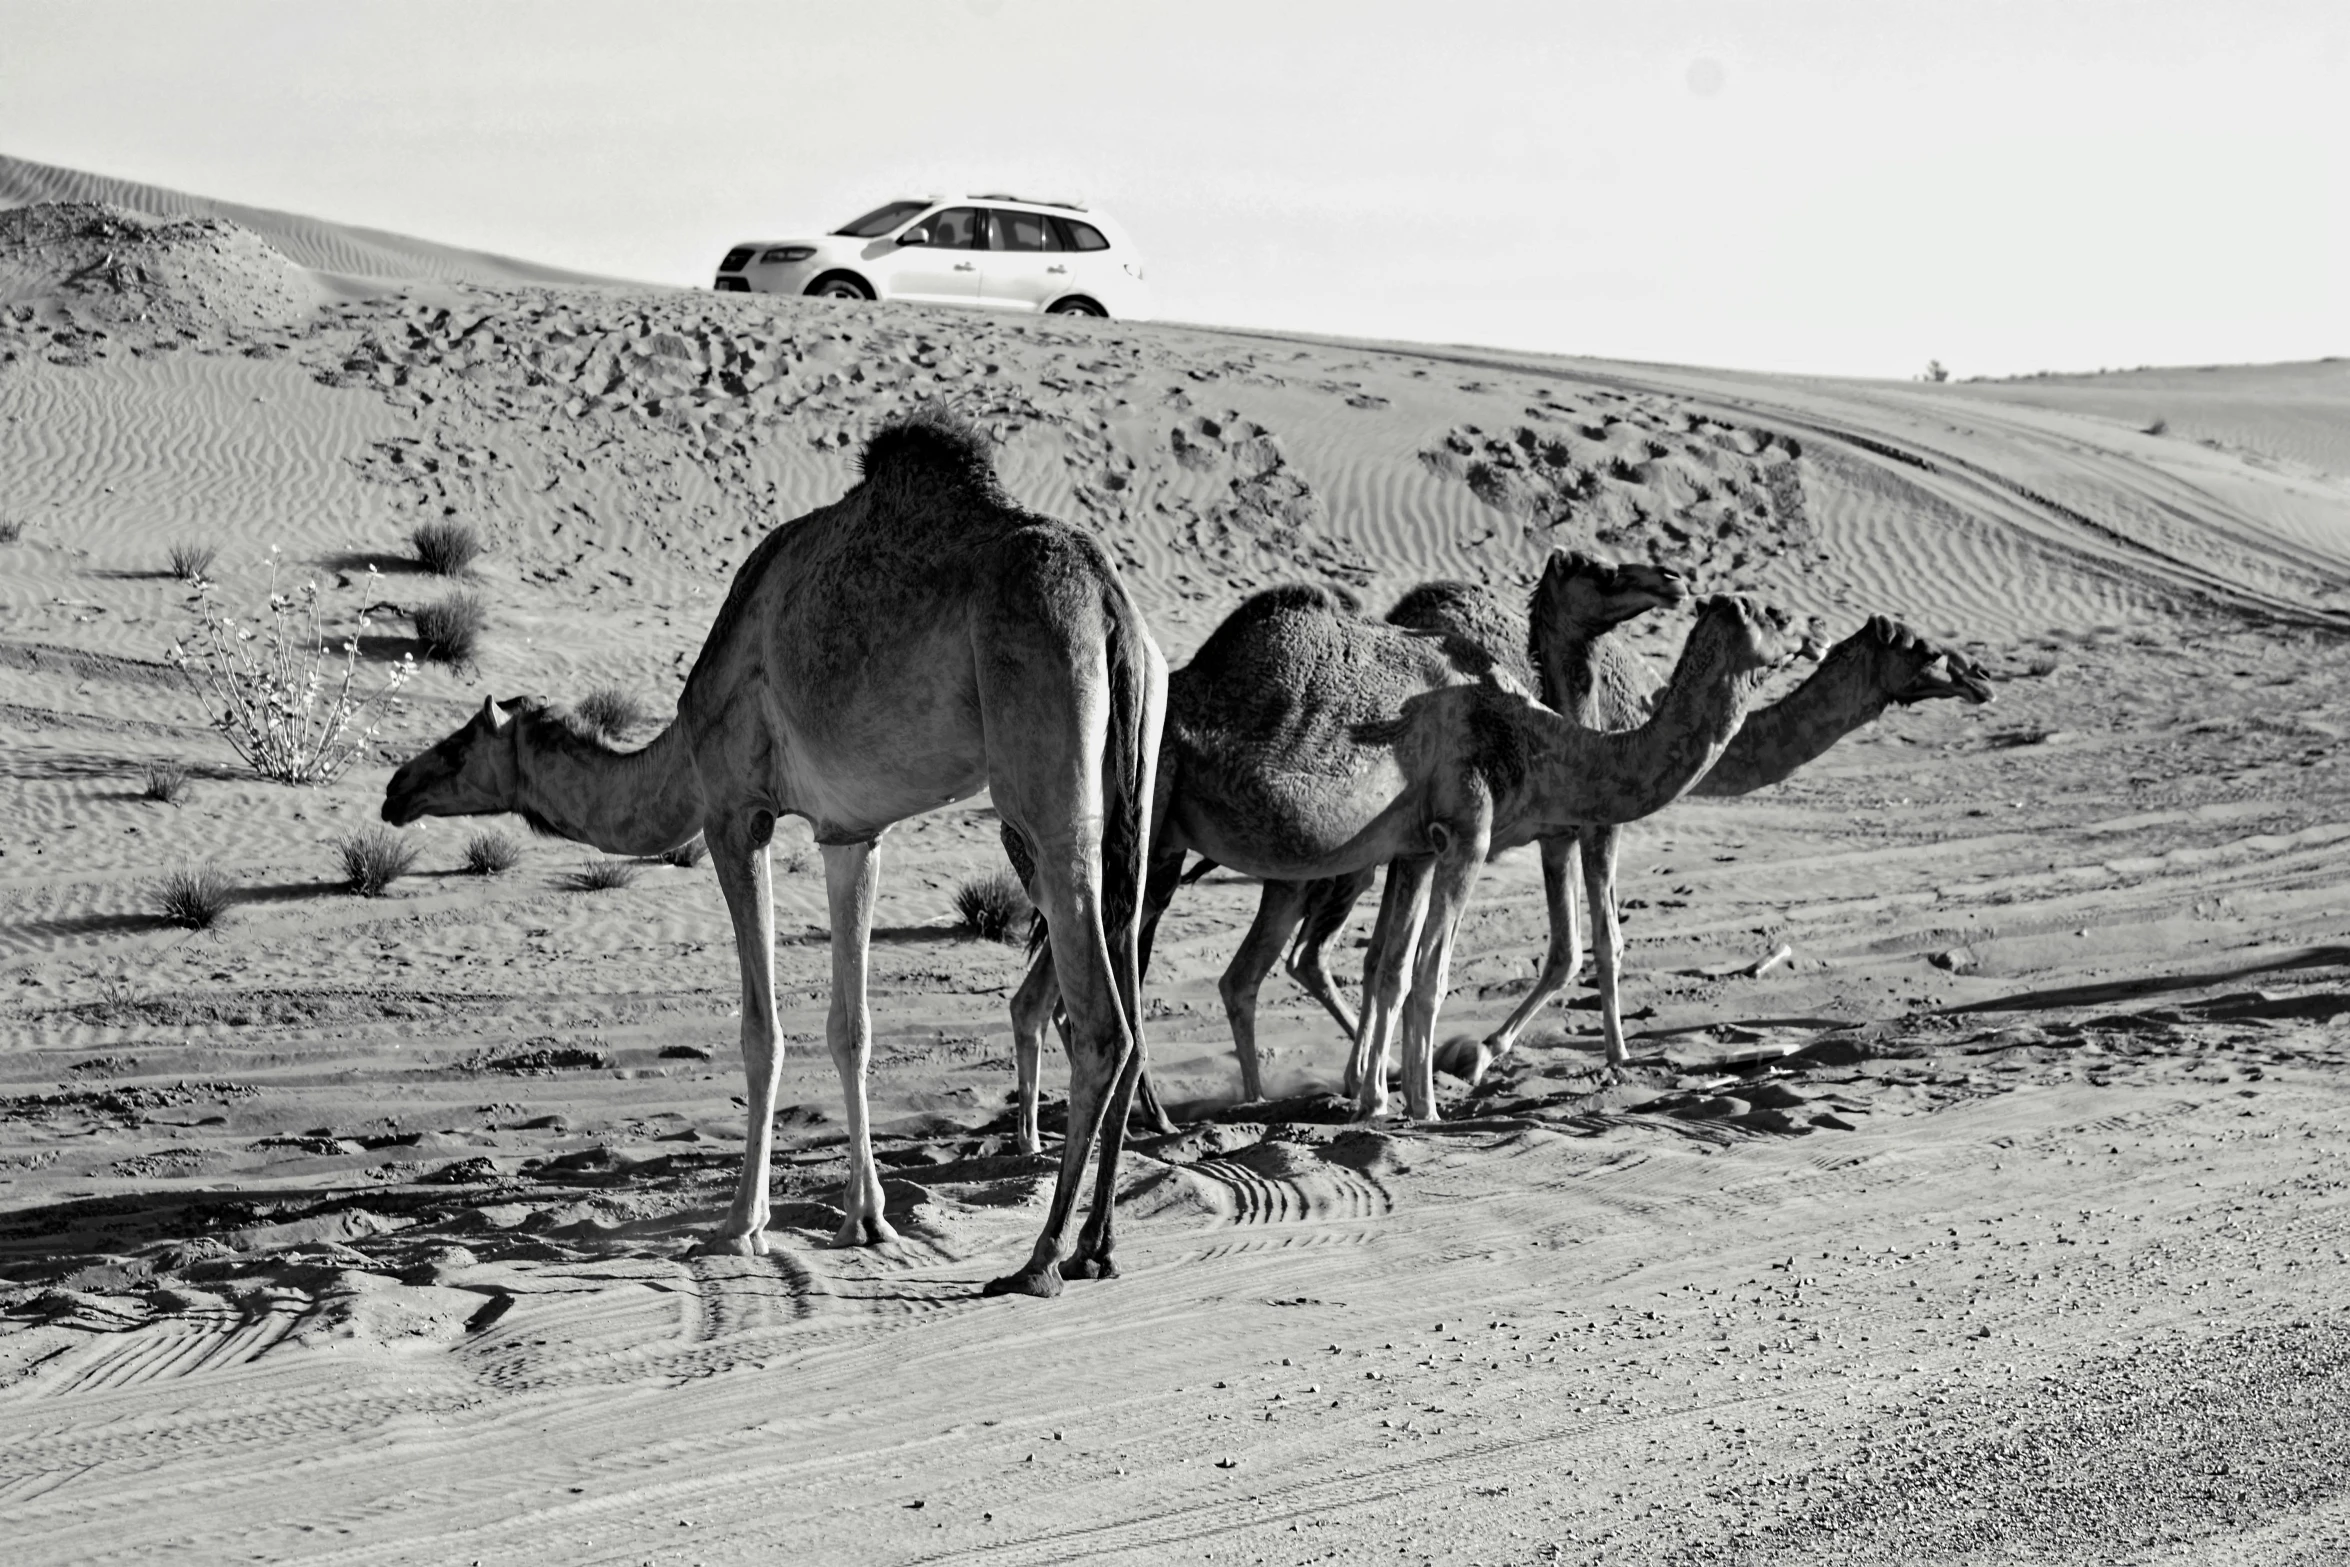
(1560, 964)
(850, 873)
(1034, 1006)
(1278, 908)
(1160, 879)
(1451, 879)
(1402, 910)
(1327, 907)
(738, 853)
(1091, 1259)
(1607, 937)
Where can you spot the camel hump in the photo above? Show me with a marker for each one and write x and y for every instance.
(928, 451)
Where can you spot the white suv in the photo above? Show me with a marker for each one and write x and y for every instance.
(998, 252)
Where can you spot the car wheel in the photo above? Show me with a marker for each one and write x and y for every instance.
(1077, 307)
(839, 286)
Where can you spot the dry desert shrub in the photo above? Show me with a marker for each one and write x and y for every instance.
(687, 855)
(286, 705)
(11, 529)
(450, 631)
(193, 900)
(374, 859)
(491, 854)
(610, 711)
(994, 908)
(602, 876)
(2159, 427)
(446, 548)
(165, 781)
(192, 562)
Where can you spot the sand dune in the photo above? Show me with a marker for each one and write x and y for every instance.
(375, 1214)
(306, 241)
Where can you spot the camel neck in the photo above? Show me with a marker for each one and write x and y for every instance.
(1594, 677)
(1578, 776)
(1842, 695)
(623, 802)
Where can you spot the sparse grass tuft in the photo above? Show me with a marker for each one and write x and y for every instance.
(374, 859)
(192, 562)
(192, 900)
(11, 529)
(446, 548)
(166, 781)
(2159, 427)
(994, 908)
(449, 632)
(602, 876)
(687, 855)
(491, 854)
(610, 711)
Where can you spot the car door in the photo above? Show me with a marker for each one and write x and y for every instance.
(1091, 265)
(1024, 267)
(946, 269)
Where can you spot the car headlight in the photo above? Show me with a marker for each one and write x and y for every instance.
(788, 253)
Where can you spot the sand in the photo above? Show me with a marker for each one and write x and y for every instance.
(2003, 1222)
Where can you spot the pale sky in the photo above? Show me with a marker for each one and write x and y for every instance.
(1850, 188)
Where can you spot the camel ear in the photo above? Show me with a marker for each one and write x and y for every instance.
(491, 717)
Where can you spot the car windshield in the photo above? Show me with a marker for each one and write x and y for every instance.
(881, 220)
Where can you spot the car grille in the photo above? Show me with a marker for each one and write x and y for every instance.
(736, 257)
(732, 285)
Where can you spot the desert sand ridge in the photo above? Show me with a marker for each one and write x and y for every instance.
(306, 241)
(2005, 1220)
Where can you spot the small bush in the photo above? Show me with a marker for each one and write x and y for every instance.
(603, 876)
(446, 548)
(687, 855)
(192, 562)
(610, 711)
(11, 529)
(193, 900)
(994, 908)
(450, 631)
(491, 854)
(2159, 427)
(273, 689)
(166, 781)
(374, 859)
(799, 861)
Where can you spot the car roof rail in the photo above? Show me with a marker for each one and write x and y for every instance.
(1026, 201)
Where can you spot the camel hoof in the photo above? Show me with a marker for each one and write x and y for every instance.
(1082, 1266)
(1044, 1283)
(868, 1230)
(751, 1244)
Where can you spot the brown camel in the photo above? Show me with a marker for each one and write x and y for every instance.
(1470, 637)
(1592, 677)
(1297, 748)
(1491, 769)
(917, 641)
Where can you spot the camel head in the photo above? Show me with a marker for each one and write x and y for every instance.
(1752, 636)
(471, 773)
(1589, 595)
(1911, 669)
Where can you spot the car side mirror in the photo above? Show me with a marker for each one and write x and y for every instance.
(917, 235)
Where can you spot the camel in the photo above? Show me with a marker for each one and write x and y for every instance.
(1491, 769)
(1297, 749)
(1466, 636)
(1591, 677)
(920, 639)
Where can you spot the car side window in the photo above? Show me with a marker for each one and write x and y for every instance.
(957, 228)
(1018, 231)
(1080, 236)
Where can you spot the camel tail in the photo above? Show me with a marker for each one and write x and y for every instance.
(1129, 769)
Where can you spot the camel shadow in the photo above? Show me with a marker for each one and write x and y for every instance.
(2152, 985)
